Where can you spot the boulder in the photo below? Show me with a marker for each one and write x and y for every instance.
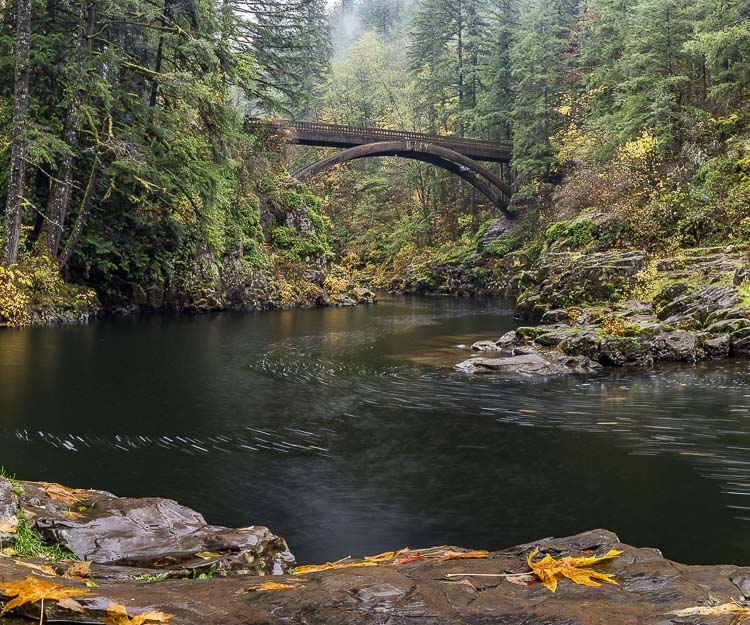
(147, 532)
(8, 513)
(485, 346)
(555, 316)
(548, 363)
(698, 306)
(583, 343)
(677, 346)
(618, 351)
(509, 339)
(715, 346)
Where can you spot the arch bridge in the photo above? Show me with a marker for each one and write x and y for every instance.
(458, 155)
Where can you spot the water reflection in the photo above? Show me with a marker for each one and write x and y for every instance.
(344, 431)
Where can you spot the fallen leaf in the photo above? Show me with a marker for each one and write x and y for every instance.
(548, 569)
(386, 556)
(463, 555)
(406, 560)
(725, 608)
(461, 582)
(91, 584)
(42, 568)
(8, 524)
(72, 516)
(209, 555)
(80, 570)
(267, 586)
(63, 493)
(8, 552)
(33, 589)
(118, 615)
(72, 605)
(329, 566)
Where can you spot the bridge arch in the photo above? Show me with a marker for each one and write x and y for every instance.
(486, 182)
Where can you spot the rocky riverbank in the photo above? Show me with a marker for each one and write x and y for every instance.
(154, 561)
(625, 308)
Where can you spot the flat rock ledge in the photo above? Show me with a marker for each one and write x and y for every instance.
(650, 590)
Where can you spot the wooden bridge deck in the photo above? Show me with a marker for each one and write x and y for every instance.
(338, 136)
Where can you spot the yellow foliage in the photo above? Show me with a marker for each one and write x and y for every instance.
(334, 285)
(548, 569)
(15, 297)
(645, 283)
(644, 147)
(403, 258)
(615, 325)
(35, 284)
(286, 292)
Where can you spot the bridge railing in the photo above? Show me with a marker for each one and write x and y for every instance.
(374, 133)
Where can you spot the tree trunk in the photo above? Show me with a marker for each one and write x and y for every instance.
(19, 149)
(62, 187)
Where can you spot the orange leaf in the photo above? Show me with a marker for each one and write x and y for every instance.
(62, 493)
(42, 568)
(118, 615)
(329, 566)
(81, 570)
(464, 555)
(34, 589)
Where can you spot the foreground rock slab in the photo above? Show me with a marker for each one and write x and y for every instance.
(148, 533)
(650, 590)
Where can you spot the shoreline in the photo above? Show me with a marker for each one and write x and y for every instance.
(248, 575)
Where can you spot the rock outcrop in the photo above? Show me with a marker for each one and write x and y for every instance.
(690, 308)
(147, 533)
(498, 589)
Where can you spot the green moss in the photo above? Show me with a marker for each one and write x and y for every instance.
(556, 231)
(296, 245)
(528, 332)
(504, 244)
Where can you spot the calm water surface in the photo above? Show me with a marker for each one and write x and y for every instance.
(347, 432)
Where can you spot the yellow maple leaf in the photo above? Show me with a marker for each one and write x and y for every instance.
(33, 589)
(329, 566)
(548, 569)
(117, 614)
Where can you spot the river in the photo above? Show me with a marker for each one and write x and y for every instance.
(347, 432)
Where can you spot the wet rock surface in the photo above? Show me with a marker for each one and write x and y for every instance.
(146, 533)
(691, 308)
(425, 590)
